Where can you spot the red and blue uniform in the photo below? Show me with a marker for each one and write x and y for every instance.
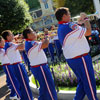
(40, 70)
(19, 70)
(14, 85)
(75, 49)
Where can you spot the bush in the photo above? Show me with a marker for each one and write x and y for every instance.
(14, 15)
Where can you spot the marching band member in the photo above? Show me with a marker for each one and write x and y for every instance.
(76, 51)
(14, 85)
(39, 66)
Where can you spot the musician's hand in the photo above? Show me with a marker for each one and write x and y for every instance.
(45, 43)
(80, 21)
(83, 16)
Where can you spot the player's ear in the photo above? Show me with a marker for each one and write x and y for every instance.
(64, 16)
(28, 35)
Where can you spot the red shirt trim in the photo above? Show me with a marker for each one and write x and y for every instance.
(1, 47)
(7, 41)
(28, 40)
(80, 56)
(38, 65)
(62, 22)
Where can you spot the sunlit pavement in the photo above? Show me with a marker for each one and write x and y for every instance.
(4, 91)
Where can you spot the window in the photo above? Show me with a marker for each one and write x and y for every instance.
(45, 4)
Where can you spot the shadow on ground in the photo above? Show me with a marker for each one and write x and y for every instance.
(4, 93)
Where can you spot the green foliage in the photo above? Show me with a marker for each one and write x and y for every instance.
(77, 6)
(59, 3)
(33, 4)
(14, 15)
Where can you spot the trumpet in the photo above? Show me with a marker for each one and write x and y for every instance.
(40, 36)
(53, 33)
(50, 34)
(18, 38)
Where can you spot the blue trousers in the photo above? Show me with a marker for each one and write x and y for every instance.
(7, 78)
(13, 83)
(51, 51)
(83, 69)
(21, 75)
(47, 88)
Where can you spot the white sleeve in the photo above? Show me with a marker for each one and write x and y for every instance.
(77, 31)
(81, 32)
(2, 53)
(14, 46)
(37, 46)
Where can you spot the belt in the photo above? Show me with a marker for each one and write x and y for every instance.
(38, 65)
(6, 64)
(15, 63)
(80, 56)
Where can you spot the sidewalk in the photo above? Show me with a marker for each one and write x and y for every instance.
(4, 92)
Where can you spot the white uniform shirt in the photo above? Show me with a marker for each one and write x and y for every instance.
(74, 42)
(3, 57)
(35, 54)
(13, 54)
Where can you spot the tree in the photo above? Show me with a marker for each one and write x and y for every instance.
(14, 15)
(77, 6)
(33, 4)
(59, 3)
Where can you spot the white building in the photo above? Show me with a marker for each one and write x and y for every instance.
(44, 17)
